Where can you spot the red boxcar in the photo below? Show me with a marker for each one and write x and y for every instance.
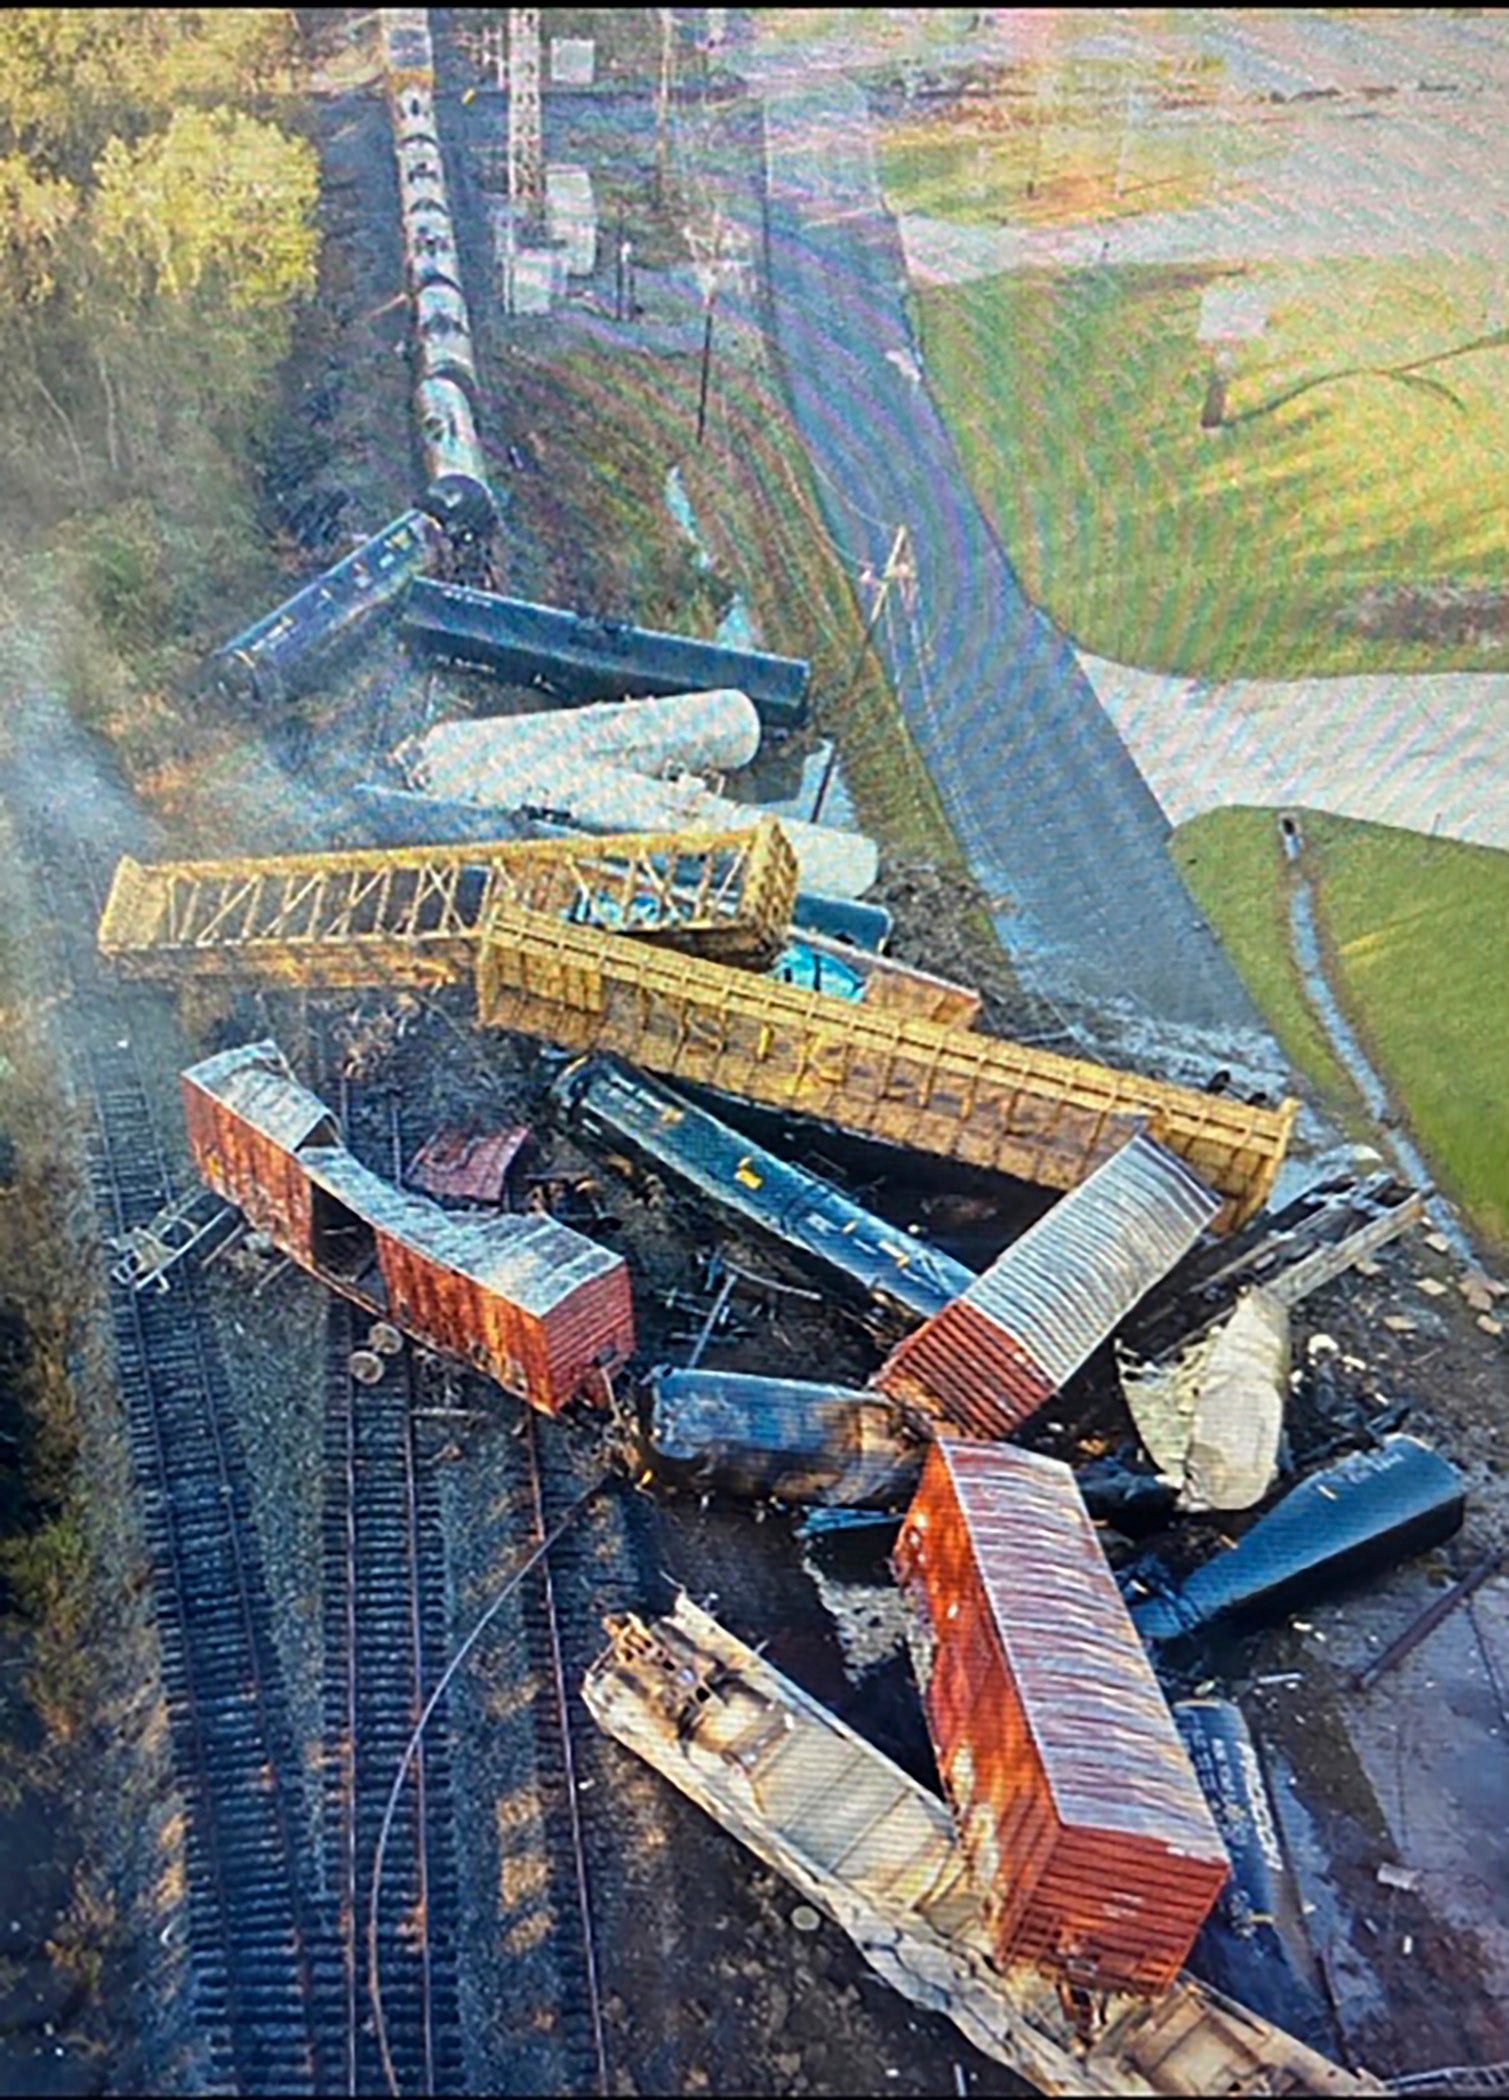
(247, 1119)
(538, 1307)
(1095, 1853)
(1038, 1313)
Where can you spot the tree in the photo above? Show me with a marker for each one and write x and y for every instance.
(35, 212)
(217, 210)
(72, 76)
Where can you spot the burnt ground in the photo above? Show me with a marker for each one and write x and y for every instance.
(709, 1986)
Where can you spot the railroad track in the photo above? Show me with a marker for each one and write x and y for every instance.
(384, 1585)
(233, 1751)
(561, 1608)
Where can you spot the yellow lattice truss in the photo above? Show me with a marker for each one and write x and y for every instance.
(542, 928)
(912, 1082)
(416, 915)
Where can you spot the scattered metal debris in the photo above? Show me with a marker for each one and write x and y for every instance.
(148, 1253)
(467, 1167)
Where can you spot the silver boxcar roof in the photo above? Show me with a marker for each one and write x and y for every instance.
(256, 1082)
(1070, 1279)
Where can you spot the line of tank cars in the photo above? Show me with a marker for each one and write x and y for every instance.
(458, 510)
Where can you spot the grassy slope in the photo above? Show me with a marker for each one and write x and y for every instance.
(1076, 399)
(1233, 864)
(1415, 929)
(751, 491)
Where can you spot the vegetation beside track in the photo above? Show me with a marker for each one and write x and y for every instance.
(1413, 929)
(159, 241)
(74, 1681)
(618, 422)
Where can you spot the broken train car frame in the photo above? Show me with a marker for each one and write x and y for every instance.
(877, 1852)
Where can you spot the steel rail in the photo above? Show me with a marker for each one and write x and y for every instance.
(571, 1787)
(233, 1750)
(417, 1657)
(380, 1577)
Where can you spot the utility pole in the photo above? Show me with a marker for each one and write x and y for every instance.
(491, 52)
(526, 149)
(663, 103)
(899, 568)
(708, 263)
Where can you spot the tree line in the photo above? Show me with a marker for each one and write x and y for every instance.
(157, 235)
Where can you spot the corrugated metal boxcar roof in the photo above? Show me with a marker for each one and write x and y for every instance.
(1110, 1751)
(255, 1081)
(530, 1260)
(1069, 1280)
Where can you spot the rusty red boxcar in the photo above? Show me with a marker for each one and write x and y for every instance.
(1094, 1851)
(1023, 1328)
(538, 1307)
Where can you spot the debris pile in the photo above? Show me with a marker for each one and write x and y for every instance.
(1089, 1842)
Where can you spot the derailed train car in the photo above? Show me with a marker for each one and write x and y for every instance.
(532, 1304)
(1020, 1331)
(878, 1852)
(1253, 1945)
(261, 666)
(874, 1262)
(266, 662)
(729, 1433)
(1365, 1513)
(1093, 1849)
(584, 658)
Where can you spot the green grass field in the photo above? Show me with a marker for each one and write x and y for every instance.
(1417, 935)
(1063, 137)
(1297, 538)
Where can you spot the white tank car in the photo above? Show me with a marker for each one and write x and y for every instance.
(408, 54)
(426, 212)
(420, 173)
(445, 334)
(414, 118)
(430, 250)
(710, 731)
(603, 797)
(446, 370)
(447, 430)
